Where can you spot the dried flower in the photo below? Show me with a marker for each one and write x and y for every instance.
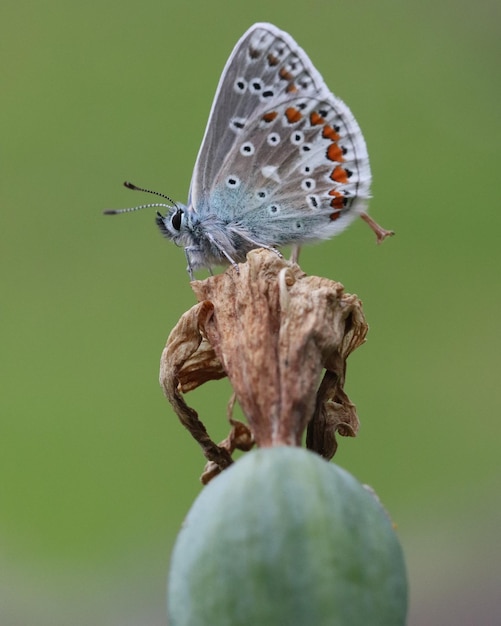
(272, 330)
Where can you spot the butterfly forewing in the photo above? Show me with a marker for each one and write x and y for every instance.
(279, 144)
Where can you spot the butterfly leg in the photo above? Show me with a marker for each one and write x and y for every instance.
(381, 233)
(189, 269)
(223, 251)
(295, 250)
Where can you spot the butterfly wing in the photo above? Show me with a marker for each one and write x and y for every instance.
(281, 156)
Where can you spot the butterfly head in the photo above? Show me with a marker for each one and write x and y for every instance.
(173, 224)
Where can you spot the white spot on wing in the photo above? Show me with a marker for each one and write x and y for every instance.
(247, 149)
(271, 171)
(273, 139)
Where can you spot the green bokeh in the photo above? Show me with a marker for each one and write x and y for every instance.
(96, 473)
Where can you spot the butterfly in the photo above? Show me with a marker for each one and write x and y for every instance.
(282, 162)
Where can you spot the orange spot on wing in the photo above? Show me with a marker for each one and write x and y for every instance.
(272, 59)
(334, 153)
(291, 88)
(285, 75)
(339, 174)
(330, 133)
(293, 115)
(269, 117)
(337, 201)
(335, 216)
(316, 119)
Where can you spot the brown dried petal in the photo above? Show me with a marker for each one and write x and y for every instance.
(182, 344)
(333, 413)
(239, 438)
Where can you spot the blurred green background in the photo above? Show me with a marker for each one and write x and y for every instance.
(96, 473)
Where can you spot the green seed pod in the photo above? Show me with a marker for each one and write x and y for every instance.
(284, 538)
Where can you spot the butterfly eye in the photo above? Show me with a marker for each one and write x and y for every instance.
(177, 219)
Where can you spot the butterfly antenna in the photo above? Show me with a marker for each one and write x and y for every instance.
(155, 193)
(142, 206)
